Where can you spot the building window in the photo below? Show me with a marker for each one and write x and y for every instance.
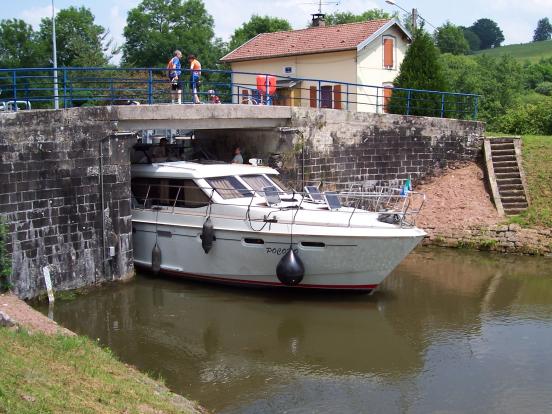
(388, 52)
(326, 96)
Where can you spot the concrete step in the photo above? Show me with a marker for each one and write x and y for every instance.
(514, 205)
(501, 151)
(502, 170)
(498, 158)
(511, 187)
(508, 181)
(514, 211)
(512, 199)
(515, 192)
(503, 175)
(509, 163)
(502, 145)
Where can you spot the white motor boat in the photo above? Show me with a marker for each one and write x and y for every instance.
(239, 224)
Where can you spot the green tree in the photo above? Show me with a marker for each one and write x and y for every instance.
(450, 39)
(473, 40)
(155, 28)
(543, 30)
(500, 82)
(488, 32)
(420, 69)
(16, 44)
(255, 26)
(348, 17)
(79, 41)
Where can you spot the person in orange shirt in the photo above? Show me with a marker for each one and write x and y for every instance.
(195, 73)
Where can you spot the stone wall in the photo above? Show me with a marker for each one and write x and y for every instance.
(503, 238)
(342, 147)
(51, 171)
(51, 198)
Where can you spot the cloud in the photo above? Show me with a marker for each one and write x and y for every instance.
(34, 15)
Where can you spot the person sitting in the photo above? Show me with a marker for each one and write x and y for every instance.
(213, 98)
(238, 159)
(160, 153)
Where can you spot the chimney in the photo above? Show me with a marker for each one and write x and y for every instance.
(318, 20)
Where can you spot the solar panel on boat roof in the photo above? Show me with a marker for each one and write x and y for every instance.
(271, 195)
(314, 194)
(332, 200)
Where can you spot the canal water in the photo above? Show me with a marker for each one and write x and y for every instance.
(450, 331)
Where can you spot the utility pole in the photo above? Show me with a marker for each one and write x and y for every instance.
(414, 20)
(54, 57)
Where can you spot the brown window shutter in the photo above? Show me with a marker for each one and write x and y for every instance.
(245, 96)
(387, 93)
(388, 53)
(337, 96)
(313, 97)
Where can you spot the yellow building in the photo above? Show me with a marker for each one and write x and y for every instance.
(345, 66)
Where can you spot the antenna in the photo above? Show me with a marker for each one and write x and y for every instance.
(321, 3)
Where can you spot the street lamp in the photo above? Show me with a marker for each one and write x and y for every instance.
(54, 57)
(414, 15)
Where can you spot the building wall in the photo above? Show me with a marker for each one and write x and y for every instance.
(370, 70)
(334, 66)
(51, 199)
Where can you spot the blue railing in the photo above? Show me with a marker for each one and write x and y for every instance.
(27, 88)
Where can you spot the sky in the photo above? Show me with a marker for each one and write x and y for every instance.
(516, 18)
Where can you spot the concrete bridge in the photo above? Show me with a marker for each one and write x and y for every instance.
(200, 117)
(65, 174)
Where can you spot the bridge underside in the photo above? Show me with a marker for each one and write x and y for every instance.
(200, 117)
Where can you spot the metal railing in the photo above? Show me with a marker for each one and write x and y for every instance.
(94, 86)
(392, 204)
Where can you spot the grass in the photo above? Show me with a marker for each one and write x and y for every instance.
(55, 374)
(537, 164)
(532, 52)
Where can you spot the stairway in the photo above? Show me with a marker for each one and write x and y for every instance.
(503, 159)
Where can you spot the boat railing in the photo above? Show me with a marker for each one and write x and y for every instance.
(393, 205)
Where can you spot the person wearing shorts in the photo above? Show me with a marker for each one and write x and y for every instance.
(175, 71)
(195, 74)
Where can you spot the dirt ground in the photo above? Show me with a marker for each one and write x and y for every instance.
(457, 199)
(23, 315)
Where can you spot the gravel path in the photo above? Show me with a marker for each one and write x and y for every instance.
(19, 313)
(456, 200)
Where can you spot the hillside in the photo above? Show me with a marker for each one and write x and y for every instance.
(532, 52)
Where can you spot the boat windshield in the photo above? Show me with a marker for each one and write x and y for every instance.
(257, 182)
(280, 184)
(229, 187)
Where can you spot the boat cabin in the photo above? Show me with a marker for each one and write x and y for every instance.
(193, 185)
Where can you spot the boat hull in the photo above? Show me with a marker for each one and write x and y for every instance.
(249, 258)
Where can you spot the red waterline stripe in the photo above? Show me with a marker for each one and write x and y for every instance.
(260, 283)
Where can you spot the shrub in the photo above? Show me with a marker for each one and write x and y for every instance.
(533, 119)
(5, 265)
(544, 88)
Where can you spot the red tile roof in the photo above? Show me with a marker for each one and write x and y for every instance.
(305, 41)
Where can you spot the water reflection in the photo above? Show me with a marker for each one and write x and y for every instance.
(468, 327)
